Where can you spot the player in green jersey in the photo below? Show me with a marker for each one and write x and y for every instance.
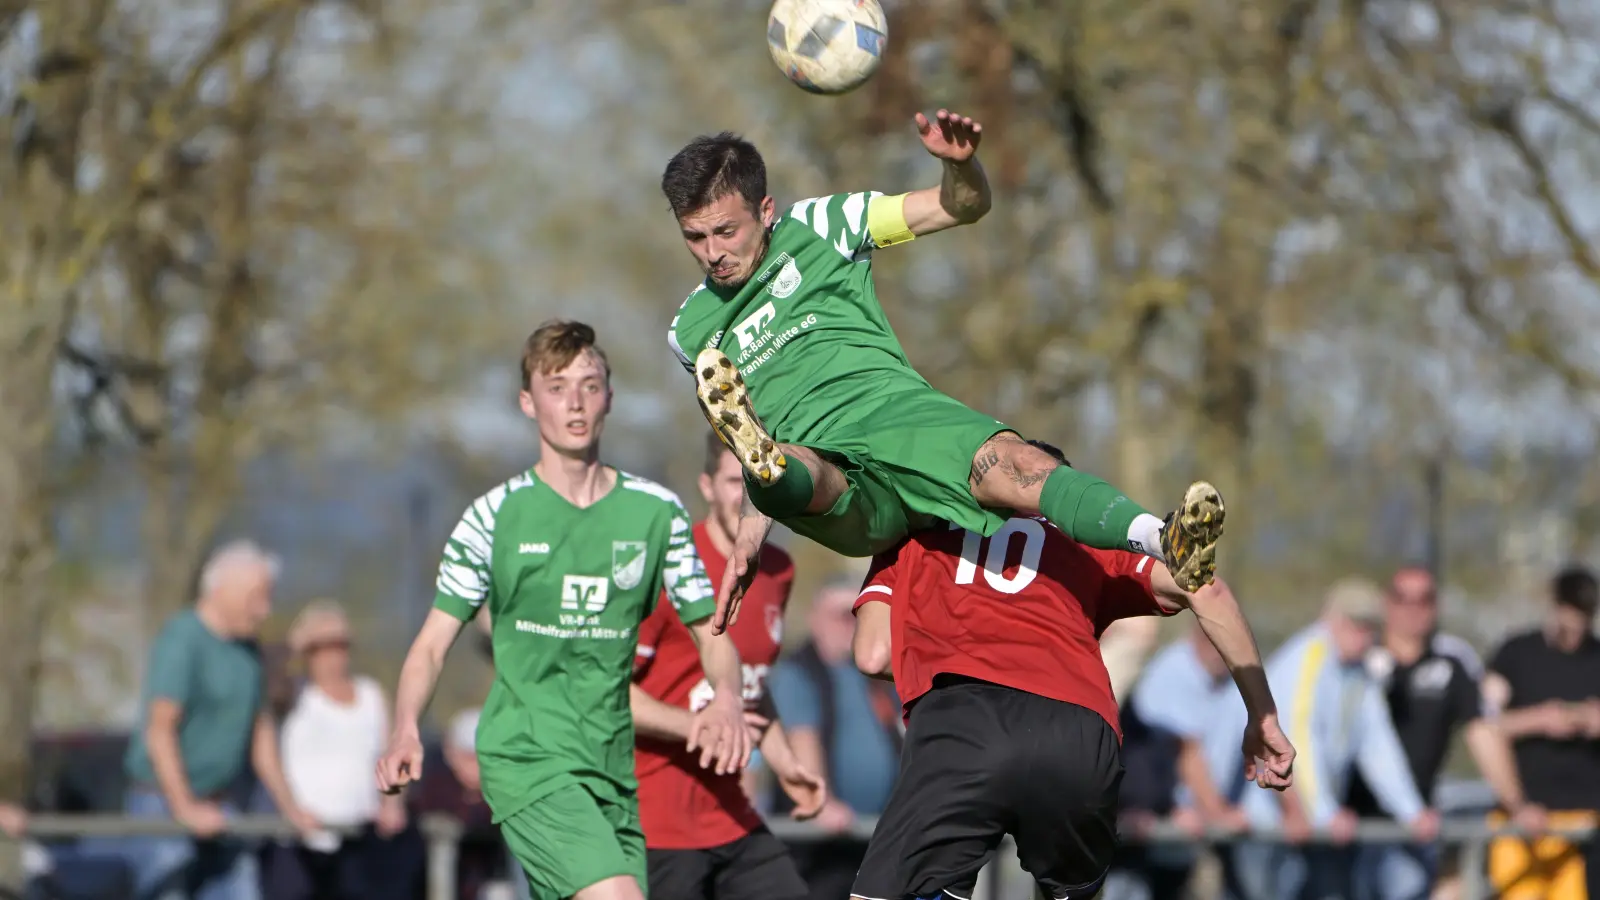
(567, 559)
(794, 360)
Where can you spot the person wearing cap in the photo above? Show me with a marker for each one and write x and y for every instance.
(332, 738)
(1546, 682)
(1337, 717)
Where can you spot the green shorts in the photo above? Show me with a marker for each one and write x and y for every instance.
(570, 839)
(908, 461)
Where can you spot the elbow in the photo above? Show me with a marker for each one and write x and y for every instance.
(968, 213)
(872, 655)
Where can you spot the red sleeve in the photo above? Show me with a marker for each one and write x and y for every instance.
(882, 578)
(649, 634)
(1127, 591)
(784, 576)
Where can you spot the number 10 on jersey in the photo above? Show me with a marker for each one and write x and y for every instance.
(998, 548)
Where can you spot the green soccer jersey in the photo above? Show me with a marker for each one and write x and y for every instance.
(566, 589)
(807, 332)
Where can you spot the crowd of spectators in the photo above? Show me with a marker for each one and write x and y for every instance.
(1373, 694)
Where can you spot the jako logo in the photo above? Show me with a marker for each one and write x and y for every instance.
(755, 323)
(533, 548)
(584, 592)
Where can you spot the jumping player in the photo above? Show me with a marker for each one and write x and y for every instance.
(568, 559)
(1012, 726)
(704, 840)
(788, 307)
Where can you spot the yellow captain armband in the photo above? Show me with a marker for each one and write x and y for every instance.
(886, 221)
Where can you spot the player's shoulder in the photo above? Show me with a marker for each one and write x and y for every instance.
(513, 492)
(851, 204)
(684, 333)
(649, 494)
(840, 220)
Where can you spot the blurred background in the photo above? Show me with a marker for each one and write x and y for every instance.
(266, 266)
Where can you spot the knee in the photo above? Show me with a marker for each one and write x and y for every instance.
(1010, 469)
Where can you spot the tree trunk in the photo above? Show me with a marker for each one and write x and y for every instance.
(43, 258)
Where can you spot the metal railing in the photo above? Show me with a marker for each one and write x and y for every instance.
(443, 835)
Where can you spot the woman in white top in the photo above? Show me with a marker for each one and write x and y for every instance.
(332, 738)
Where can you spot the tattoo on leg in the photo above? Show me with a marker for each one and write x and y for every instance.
(987, 459)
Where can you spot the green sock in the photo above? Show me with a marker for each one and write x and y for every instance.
(1098, 515)
(786, 499)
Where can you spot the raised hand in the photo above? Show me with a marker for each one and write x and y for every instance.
(949, 136)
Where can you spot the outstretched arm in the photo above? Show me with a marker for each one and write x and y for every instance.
(1269, 758)
(963, 194)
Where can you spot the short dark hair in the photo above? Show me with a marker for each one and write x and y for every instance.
(554, 345)
(1575, 586)
(714, 450)
(712, 167)
(1053, 450)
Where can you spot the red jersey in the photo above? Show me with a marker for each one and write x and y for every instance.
(682, 806)
(1024, 609)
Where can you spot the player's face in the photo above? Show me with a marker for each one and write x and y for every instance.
(570, 405)
(728, 238)
(724, 493)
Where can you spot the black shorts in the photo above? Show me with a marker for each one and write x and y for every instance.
(982, 761)
(754, 867)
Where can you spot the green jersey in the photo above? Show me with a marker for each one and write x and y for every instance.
(566, 589)
(807, 332)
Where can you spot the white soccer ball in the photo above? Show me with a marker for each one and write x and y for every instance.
(827, 46)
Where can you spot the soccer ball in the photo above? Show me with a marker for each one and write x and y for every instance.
(827, 46)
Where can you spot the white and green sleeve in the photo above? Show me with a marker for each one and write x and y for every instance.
(683, 576)
(840, 219)
(464, 572)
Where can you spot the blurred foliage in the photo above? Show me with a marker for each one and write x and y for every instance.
(1338, 257)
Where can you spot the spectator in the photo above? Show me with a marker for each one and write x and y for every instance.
(1171, 745)
(333, 735)
(1547, 681)
(484, 867)
(1337, 719)
(842, 723)
(1431, 682)
(202, 722)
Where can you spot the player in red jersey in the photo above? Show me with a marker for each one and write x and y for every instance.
(703, 839)
(1012, 726)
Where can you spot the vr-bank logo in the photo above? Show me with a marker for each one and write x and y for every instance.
(584, 592)
(754, 324)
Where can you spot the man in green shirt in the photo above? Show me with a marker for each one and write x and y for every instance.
(202, 722)
(794, 359)
(568, 558)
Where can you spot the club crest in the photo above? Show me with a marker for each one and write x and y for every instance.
(627, 563)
